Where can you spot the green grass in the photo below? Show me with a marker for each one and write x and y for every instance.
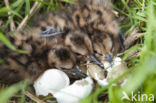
(9, 45)
(8, 92)
(142, 69)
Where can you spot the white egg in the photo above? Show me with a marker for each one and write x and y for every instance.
(75, 92)
(51, 81)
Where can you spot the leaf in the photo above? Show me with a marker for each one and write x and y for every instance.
(15, 4)
(27, 7)
(15, 13)
(6, 93)
(6, 42)
(9, 45)
(69, 1)
(142, 71)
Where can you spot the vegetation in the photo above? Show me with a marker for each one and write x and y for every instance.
(140, 57)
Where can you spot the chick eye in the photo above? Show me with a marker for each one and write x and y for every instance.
(77, 54)
(95, 52)
(63, 68)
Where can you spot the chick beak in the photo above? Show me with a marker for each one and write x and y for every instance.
(77, 71)
(108, 58)
(97, 61)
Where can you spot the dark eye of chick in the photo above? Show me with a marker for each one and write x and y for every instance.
(95, 52)
(63, 68)
(77, 54)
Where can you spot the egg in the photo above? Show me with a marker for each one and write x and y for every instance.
(56, 82)
(51, 81)
(75, 92)
(97, 73)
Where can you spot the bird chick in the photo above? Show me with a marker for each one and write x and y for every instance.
(61, 57)
(95, 18)
(78, 42)
(104, 46)
(42, 55)
(92, 17)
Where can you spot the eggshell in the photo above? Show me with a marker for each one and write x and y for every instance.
(118, 68)
(75, 92)
(97, 73)
(51, 81)
(114, 69)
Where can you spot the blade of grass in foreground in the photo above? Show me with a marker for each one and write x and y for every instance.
(6, 93)
(13, 5)
(9, 45)
(27, 7)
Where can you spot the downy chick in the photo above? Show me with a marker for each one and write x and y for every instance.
(104, 46)
(78, 42)
(82, 46)
(92, 17)
(41, 55)
(95, 18)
